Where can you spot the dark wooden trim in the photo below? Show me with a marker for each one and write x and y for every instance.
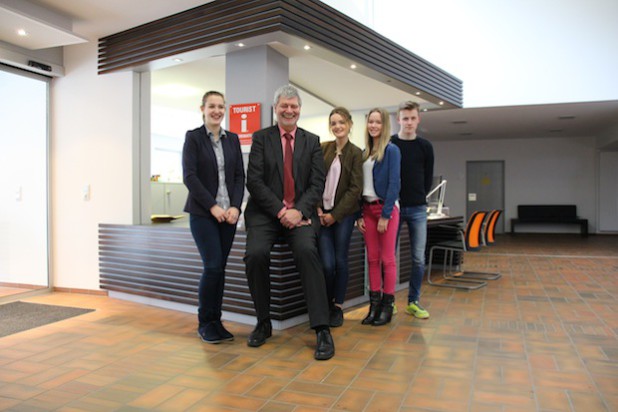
(227, 21)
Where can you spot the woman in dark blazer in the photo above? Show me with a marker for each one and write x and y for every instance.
(213, 172)
(344, 184)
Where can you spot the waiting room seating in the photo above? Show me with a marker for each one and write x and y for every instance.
(479, 230)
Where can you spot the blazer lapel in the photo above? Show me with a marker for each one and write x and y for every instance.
(275, 143)
(210, 151)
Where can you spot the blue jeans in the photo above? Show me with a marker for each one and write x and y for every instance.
(214, 242)
(333, 244)
(416, 218)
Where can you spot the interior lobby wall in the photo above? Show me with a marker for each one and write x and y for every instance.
(537, 171)
(91, 147)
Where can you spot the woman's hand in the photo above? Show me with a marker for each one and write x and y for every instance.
(382, 225)
(218, 213)
(232, 215)
(360, 223)
(327, 219)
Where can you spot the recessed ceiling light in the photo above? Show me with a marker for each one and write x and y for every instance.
(460, 122)
(307, 47)
(353, 66)
(418, 93)
(22, 32)
(441, 103)
(177, 60)
(566, 117)
(240, 44)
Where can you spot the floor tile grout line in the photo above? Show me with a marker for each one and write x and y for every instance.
(543, 255)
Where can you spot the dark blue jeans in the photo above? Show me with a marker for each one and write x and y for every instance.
(416, 218)
(214, 241)
(334, 243)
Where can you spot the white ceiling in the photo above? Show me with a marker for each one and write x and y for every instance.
(533, 121)
(92, 19)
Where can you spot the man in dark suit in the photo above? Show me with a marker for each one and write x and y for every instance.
(284, 194)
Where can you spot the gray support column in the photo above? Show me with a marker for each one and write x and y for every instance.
(253, 75)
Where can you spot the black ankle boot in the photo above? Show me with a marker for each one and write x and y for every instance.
(374, 308)
(387, 310)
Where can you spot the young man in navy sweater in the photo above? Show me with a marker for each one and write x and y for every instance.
(417, 161)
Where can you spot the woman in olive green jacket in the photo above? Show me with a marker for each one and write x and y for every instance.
(344, 183)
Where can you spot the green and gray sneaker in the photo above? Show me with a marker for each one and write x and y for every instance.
(416, 310)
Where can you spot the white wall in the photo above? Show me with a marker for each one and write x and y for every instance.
(537, 171)
(608, 196)
(91, 144)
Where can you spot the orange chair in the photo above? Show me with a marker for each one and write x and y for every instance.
(489, 231)
(469, 240)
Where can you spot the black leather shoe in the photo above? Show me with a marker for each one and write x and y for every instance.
(325, 348)
(224, 333)
(263, 330)
(335, 317)
(208, 333)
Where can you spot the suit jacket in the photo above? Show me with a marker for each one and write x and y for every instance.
(265, 176)
(200, 173)
(350, 186)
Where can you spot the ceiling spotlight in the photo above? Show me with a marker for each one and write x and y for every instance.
(441, 103)
(418, 93)
(460, 122)
(177, 60)
(353, 66)
(566, 117)
(22, 32)
(307, 47)
(241, 44)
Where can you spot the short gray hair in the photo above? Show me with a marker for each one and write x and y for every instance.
(288, 92)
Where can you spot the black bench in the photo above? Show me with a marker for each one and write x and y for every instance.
(549, 214)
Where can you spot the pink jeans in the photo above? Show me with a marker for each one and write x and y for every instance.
(381, 248)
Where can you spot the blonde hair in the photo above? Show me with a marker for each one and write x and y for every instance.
(384, 136)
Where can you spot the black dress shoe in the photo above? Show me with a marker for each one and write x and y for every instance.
(263, 330)
(208, 333)
(325, 348)
(335, 317)
(224, 333)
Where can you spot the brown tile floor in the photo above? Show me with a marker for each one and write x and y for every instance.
(544, 337)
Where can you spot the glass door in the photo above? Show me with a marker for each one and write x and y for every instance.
(24, 171)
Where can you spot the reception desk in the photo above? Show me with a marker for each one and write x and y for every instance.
(159, 264)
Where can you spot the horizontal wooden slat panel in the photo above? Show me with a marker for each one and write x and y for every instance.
(232, 20)
(162, 262)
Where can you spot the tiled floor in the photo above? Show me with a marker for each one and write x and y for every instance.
(544, 337)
